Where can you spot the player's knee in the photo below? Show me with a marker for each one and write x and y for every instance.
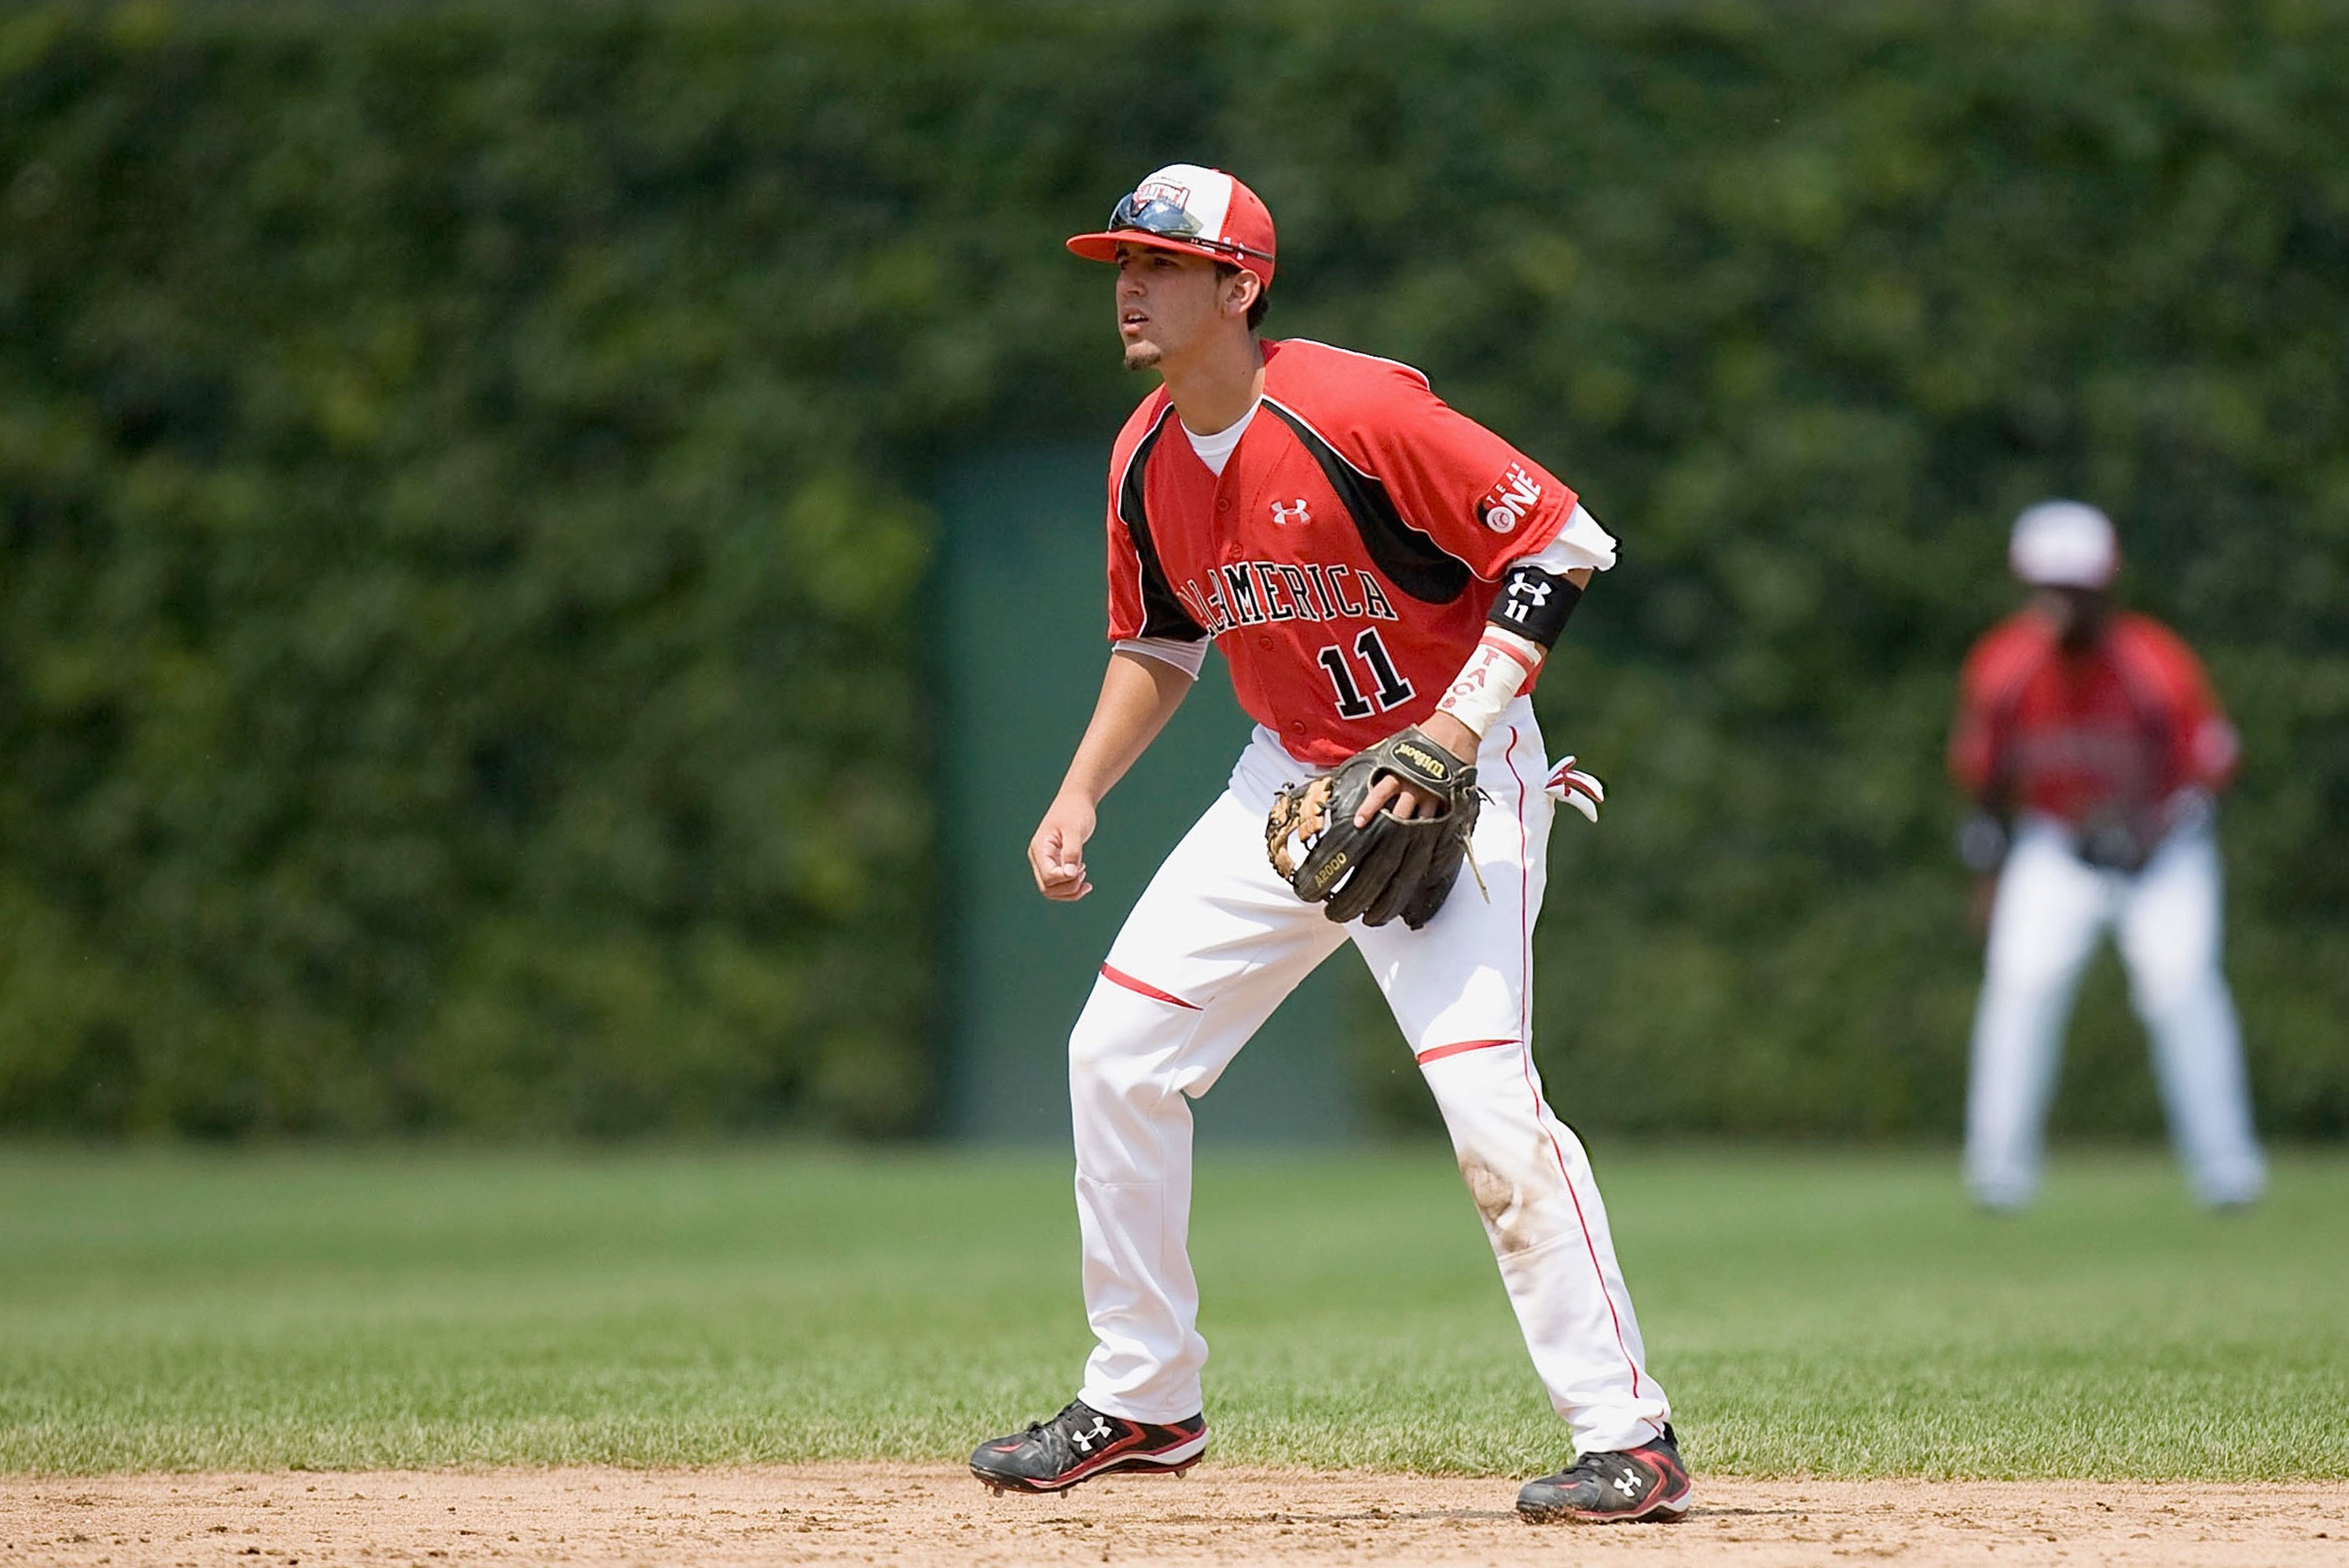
(2023, 971)
(1093, 1056)
(2169, 959)
(1110, 1049)
(2160, 995)
(1482, 1096)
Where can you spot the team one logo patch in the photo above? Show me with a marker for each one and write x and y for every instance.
(1509, 501)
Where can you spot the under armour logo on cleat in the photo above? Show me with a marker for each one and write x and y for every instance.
(1628, 1485)
(1085, 1441)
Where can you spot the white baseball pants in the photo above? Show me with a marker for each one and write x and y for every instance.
(2049, 912)
(1214, 944)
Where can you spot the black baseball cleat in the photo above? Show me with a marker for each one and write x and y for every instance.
(1081, 1443)
(1646, 1483)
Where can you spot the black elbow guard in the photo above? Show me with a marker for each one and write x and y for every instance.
(1534, 603)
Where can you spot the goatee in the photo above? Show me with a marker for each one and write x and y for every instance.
(1142, 357)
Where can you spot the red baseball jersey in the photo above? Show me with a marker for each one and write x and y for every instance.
(1345, 558)
(2121, 725)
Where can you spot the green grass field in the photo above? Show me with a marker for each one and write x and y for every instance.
(1836, 1314)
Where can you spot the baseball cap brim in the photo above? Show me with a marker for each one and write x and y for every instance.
(1102, 247)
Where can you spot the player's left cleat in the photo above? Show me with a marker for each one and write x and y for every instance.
(1645, 1482)
(1081, 1443)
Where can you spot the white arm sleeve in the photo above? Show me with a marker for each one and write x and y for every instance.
(1187, 656)
(1581, 543)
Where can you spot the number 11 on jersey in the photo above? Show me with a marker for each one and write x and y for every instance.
(1390, 689)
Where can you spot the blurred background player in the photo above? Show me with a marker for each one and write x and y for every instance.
(2093, 746)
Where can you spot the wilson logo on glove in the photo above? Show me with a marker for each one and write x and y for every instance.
(1432, 767)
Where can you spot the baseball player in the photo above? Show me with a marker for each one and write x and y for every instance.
(2092, 747)
(1384, 577)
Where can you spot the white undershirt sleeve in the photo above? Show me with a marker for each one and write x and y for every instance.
(1187, 656)
(1581, 543)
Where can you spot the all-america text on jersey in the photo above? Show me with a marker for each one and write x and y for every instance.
(1252, 593)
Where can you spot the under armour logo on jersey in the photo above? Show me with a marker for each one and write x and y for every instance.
(1085, 1441)
(1510, 499)
(1282, 516)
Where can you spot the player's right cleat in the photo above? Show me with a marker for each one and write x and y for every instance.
(1081, 1443)
(1645, 1482)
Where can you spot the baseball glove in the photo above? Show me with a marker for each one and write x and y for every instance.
(2114, 841)
(1391, 866)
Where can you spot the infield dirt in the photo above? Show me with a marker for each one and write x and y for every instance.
(920, 1515)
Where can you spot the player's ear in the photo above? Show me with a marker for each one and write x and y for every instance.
(1240, 290)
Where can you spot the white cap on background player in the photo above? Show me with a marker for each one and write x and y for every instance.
(1187, 208)
(2063, 544)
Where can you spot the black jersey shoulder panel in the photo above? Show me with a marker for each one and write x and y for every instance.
(1411, 560)
(1162, 613)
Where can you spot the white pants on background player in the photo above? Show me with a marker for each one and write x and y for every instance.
(1215, 943)
(2050, 909)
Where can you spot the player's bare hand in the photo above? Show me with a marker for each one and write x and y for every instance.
(1390, 792)
(1407, 802)
(1056, 854)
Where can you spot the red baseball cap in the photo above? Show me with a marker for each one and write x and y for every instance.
(1198, 212)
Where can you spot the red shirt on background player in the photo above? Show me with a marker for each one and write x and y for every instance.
(2100, 719)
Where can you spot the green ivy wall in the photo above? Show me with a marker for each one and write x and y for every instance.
(461, 472)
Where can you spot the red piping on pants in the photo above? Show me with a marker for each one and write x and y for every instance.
(1438, 1052)
(1143, 988)
(1526, 1023)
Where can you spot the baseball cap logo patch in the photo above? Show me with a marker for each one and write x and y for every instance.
(1157, 189)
